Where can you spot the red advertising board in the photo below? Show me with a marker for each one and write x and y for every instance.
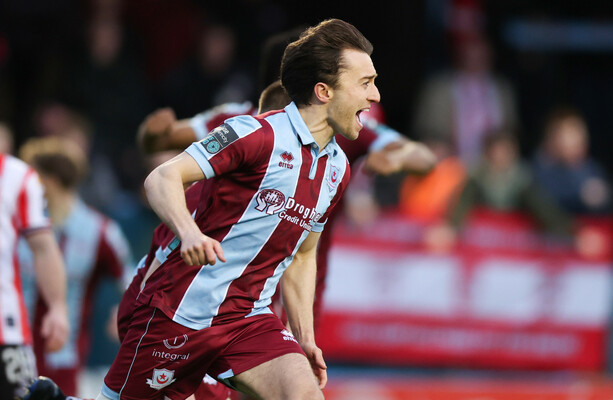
(504, 297)
(467, 389)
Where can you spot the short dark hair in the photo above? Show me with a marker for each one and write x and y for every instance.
(316, 57)
(274, 97)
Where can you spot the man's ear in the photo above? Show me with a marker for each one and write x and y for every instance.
(323, 92)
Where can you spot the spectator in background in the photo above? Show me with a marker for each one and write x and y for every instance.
(427, 198)
(92, 245)
(503, 183)
(105, 82)
(564, 169)
(467, 102)
(209, 78)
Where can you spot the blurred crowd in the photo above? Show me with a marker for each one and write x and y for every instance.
(109, 64)
(468, 115)
(96, 75)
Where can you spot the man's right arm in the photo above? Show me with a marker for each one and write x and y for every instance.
(164, 188)
(51, 279)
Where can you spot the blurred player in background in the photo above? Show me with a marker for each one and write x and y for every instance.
(22, 214)
(93, 247)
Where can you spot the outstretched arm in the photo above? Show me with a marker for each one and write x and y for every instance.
(164, 188)
(298, 294)
(402, 155)
(51, 279)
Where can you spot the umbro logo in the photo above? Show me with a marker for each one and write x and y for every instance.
(287, 160)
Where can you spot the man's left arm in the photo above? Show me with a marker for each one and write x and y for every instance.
(298, 295)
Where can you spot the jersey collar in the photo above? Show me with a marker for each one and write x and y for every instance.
(304, 134)
(299, 125)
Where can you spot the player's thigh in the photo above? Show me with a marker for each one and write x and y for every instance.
(288, 377)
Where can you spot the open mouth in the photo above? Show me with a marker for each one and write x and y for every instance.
(357, 116)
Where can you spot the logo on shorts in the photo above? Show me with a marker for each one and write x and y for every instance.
(169, 356)
(161, 378)
(270, 201)
(287, 335)
(176, 343)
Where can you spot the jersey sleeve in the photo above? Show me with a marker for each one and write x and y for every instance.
(232, 145)
(383, 135)
(114, 256)
(204, 122)
(31, 212)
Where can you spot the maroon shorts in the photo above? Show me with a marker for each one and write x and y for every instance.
(159, 357)
(209, 389)
(126, 307)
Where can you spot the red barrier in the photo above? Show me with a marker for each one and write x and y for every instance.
(467, 389)
(504, 297)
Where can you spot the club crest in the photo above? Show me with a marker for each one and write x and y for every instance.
(161, 378)
(334, 176)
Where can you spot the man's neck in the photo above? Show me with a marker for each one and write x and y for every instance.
(60, 206)
(315, 118)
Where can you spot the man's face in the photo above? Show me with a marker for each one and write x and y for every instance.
(571, 141)
(355, 92)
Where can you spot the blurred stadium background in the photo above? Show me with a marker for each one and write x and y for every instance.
(505, 313)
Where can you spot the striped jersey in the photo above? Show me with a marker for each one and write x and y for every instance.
(271, 186)
(374, 136)
(208, 120)
(22, 211)
(93, 246)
